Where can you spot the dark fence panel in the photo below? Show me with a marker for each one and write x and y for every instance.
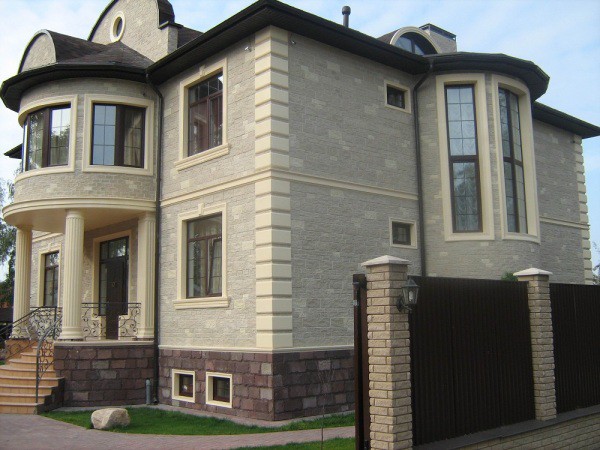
(470, 356)
(576, 324)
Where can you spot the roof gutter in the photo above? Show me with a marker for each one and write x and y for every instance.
(157, 235)
(415, 105)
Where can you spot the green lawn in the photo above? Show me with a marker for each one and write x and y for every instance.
(158, 421)
(333, 444)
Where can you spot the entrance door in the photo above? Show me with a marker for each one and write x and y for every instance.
(114, 257)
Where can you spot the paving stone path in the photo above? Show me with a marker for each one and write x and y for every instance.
(24, 432)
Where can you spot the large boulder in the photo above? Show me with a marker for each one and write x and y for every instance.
(107, 418)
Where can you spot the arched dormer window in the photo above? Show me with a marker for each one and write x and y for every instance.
(414, 40)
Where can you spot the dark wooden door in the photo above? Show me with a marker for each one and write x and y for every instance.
(116, 289)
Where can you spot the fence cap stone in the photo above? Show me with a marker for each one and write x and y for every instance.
(531, 272)
(386, 259)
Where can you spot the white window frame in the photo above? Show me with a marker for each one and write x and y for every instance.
(477, 80)
(407, 96)
(528, 151)
(71, 100)
(42, 273)
(148, 105)
(204, 72)
(209, 389)
(175, 385)
(182, 302)
(413, 232)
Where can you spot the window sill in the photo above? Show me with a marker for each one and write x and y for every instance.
(201, 303)
(217, 403)
(117, 169)
(397, 108)
(206, 155)
(457, 237)
(44, 171)
(508, 236)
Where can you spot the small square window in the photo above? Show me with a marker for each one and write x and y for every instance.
(183, 385)
(402, 233)
(396, 97)
(218, 389)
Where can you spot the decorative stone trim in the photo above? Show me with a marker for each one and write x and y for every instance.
(586, 246)
(542, 342)
(273, 216)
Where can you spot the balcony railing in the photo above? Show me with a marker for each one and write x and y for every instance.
(110, 320)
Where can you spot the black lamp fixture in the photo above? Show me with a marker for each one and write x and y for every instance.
(408, 296)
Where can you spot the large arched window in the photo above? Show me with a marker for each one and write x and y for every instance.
(415, 43)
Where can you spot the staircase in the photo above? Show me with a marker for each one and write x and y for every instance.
(17, 386)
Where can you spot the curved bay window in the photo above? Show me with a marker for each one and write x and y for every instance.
(512, 152)
(464, 158)
(204, 257)
(205, 115)
(118, 135)
(46, 137)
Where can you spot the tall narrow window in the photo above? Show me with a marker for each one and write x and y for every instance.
(463, 158)
(51, 279)
(205, 115)
(118, 136)
(204, 257)
(47, 137)
(512, 152)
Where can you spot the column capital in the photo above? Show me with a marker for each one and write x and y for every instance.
(386, 260)
(74, 213)
(532, 273)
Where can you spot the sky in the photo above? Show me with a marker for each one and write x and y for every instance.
(562, 37)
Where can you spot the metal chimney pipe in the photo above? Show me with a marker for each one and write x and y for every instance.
(346, 13)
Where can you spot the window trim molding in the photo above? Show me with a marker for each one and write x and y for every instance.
(413, 232)
(117, 37)
(407, 96)
(55, 248)
(96, 264)
(175, 385)
(528, 155)
(204, 72)
(49, 103)
(181, 302)
(477, 80)
(89, 101)
(209, 396)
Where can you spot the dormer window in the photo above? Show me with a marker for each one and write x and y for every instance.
(415, 43)
(46, 137)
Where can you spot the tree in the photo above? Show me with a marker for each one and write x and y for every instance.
(8, 236)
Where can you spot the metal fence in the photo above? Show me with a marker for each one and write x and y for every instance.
(576, 326)
(470, 357)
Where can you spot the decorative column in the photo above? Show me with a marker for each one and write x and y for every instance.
(21, 303)
(542, 342)
(388, 341)
(146, 275)
(72, 276)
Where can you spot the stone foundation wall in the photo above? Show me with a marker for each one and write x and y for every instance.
(104, 375)
(267, 386)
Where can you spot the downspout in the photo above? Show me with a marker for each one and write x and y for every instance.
(157, 233)
(419, 174)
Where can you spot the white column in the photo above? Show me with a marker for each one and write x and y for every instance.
(72, 276)
(22, 279)
(146, 275)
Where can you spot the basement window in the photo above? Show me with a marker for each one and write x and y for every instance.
(402, 234)
(183, 382)
(219, 389)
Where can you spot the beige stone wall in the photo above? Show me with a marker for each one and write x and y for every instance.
(41, 53)
(141, 31)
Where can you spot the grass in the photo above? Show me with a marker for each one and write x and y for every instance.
(332, 444)
(159, 421)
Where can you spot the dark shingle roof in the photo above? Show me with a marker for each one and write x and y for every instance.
(387, 37)
(186, 35)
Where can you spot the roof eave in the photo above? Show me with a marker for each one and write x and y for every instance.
(13, 88)
(564, 121)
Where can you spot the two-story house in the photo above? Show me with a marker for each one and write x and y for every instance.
(196, 203)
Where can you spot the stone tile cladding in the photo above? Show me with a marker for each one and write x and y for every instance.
(576, 434)
(104, 375)
(267, 386)
(40, 54)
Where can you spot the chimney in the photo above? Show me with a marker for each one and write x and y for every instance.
(346, 13)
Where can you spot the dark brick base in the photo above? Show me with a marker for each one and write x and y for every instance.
(104, 375)
(268, 386)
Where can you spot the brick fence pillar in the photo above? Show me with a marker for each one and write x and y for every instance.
(388, 343)
(542, 345)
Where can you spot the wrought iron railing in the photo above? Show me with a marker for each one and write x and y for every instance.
(96, 319)
(27, 330)
(45, 352)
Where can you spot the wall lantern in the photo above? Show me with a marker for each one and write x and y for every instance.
(408, 296)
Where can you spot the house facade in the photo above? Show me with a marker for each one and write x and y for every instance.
(195, 204)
